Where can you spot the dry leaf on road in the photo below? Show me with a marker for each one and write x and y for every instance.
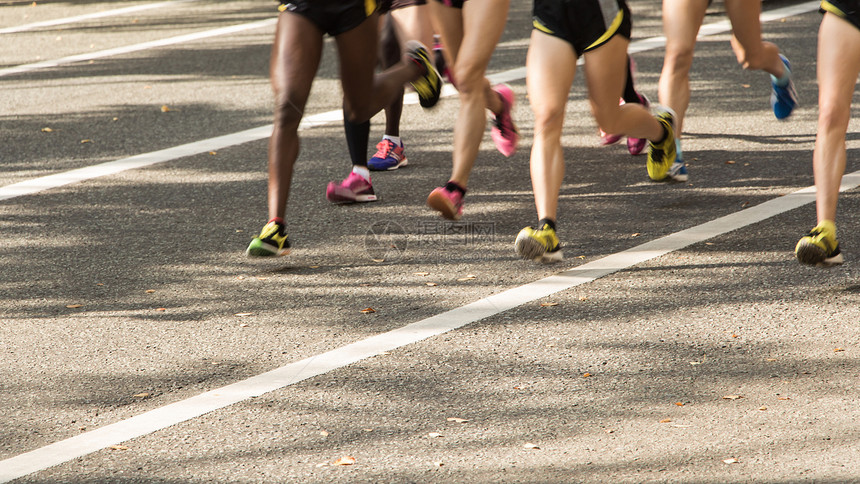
(346, 460)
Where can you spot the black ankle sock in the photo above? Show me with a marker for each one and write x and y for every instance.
(453, 186)
(546, 221)
(630, 94)
(357, 136)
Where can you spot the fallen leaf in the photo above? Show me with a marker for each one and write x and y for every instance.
(142, 395)
(784, 398)
(731, 162)
(732, 397)
(583, 298)
(530, 446)
(580, 257)
(74, 306)
(771, 359)
(368, 430)
(730, 461)
(150, 291)
(115, 119)
(745, 204)
(680, 404)
(837, 350)
(457, 419)
(346, 460)
(165, 109)
(586, 375)
(378, 260)
(431, 284)
(420, 273)
(100, 284)
(118, 447)
(609, 431)
(762, 408)
(161, 309)
(368, 310)
(735, 336)
(666, 420)
(549, 304)
(745, 86)
(213, 153)
(637, 234)
(85, 141)
(244, 325)
(47, 130)
(434, 435)
(323, 433)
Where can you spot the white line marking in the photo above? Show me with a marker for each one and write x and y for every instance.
(168, 415)
(205, 34)
(90, 16)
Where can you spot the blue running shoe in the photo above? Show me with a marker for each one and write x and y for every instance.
(783, 99)
(388, 156)
(678, 171)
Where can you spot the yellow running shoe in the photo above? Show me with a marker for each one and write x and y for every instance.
(662, 155)
(540, 245)
(429, 85)
(271, 242)
(819, 246)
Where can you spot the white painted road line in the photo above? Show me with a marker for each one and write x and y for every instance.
(172, 414)
(137, 47)
(91, 16)
(36, 185)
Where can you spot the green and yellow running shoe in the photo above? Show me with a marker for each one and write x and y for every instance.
(819, 246)
(662, 155)
(271, 242)
(429, 85)
(539, 245)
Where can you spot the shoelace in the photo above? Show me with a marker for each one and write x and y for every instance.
(384, 148)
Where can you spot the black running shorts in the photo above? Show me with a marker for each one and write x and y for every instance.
(333, 17)
(452, 3)
(847, 9)
(584, 24)
(386, 6)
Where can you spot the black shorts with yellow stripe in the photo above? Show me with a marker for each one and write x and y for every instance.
(386, 6)
(333, 17)
(585, 24)
(847, 9)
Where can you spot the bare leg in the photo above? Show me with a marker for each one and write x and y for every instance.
(295, 58)
(606, 74)
(550, 70)
(752, 52)
(838, 68)
(470, 35)
(681, 22)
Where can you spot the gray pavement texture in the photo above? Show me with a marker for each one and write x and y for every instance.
(725, 351)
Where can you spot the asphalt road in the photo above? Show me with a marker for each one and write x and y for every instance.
(126, 300)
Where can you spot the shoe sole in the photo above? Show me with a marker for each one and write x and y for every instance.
(403, 162)
(265, 250)
(441, 204)
(530, 249)
(341, 196)
(811, 254)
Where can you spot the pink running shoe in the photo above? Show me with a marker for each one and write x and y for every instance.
(636, 145)
(354, 189)
(504, 132)
(608, 139)
(449, 204)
